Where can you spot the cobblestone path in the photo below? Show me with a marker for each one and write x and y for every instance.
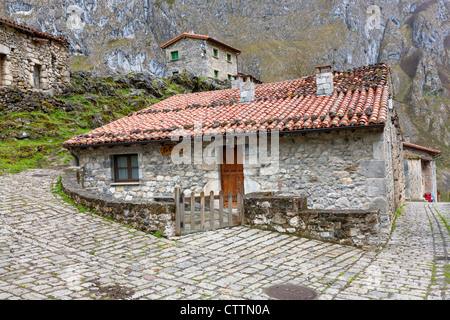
(49, 250)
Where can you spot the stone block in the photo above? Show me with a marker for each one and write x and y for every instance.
(340, 174)
(372, 169)
(378, 150)
(342, 203)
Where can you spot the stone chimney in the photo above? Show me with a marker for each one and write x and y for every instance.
(246, 86)
(324, 80)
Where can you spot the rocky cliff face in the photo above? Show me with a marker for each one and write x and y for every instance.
(280, 39)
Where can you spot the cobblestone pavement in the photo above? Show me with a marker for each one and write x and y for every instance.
(49, 250)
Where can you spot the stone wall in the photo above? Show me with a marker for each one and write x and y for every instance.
(334, 170)
(395, 177)
(413, 185)
(158, 175)
(191, 57)
(21, 54)
(358, 228)
(149, 216)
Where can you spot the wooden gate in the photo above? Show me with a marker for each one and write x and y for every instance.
(207, 212)
(37, 76)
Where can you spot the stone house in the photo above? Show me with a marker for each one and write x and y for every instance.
(420, 171)
(30, 59)
(332, 139)
(201, 55)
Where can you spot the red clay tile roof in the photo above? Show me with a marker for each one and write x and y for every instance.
(416, 146)
(34, 31)
(360, 98)
(197, 36)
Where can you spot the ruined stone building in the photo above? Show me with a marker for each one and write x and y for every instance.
(420, 171)
(30, 59)
(201, 55)
(338, 145)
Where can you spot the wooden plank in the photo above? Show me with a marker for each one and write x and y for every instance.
(182, 208)
(211, 210)
(177, 212)
(241, 203)
(202, 210)
(230, 208)
(238, 202)
(221, 209)
(193, 214)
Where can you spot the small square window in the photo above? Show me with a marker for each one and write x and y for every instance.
(126, 168)
(215, 53)
(216, 74)
(228, 57)
(229, 77)
(174, 73)
(174, 55)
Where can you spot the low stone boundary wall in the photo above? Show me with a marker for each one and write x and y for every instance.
(150, 217)
(290, 215)
(287, 214)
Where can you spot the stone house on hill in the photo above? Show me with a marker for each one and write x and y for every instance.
(335, 141)
(200, 55)
(30, 59)
(420, 171)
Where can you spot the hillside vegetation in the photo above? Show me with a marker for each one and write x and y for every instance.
(33, 125)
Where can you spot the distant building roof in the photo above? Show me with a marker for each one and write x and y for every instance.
(37, 33)
(360, 99)
(197, 36)
(254, 79)
(416, 146)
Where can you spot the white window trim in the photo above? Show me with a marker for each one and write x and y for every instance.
(116, 184)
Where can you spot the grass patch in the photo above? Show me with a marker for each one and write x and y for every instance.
(446, 224)
(57, 189)
(158, 235)
(398, 213)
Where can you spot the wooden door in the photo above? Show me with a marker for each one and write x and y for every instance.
(232, 172)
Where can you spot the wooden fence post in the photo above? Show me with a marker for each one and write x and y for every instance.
(220, 209)
(230, 209)
(211, 210)
(177, 212)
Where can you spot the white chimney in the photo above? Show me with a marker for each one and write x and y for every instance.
(246, 87)
(324, 80)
